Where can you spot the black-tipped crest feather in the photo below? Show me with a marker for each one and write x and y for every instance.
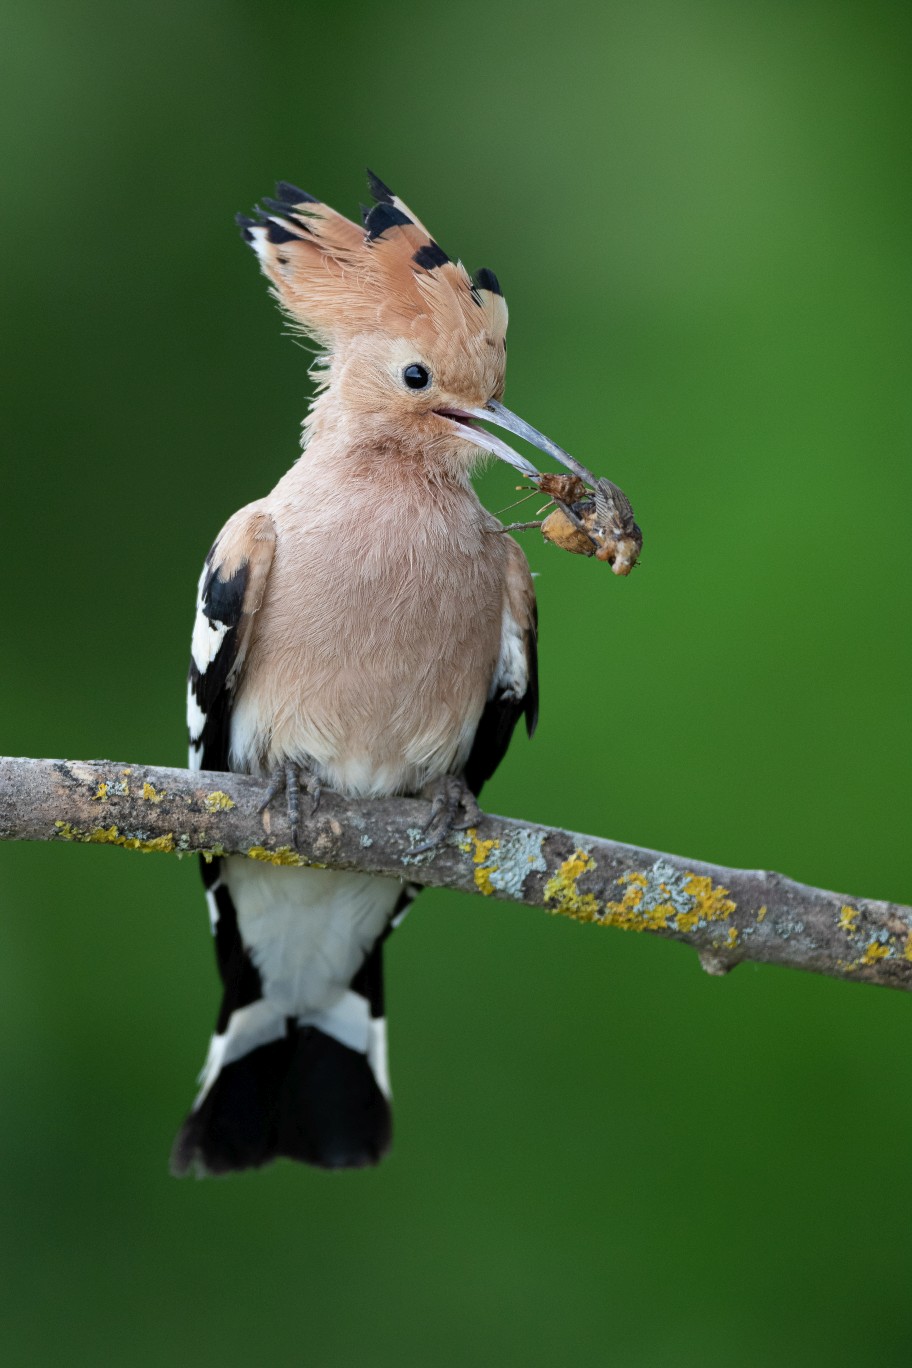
(286, 211)
(487, 280)
(430, 256)
(292, 195)
(383, 217)
(381, 193)
(277, 234)
(245, 223)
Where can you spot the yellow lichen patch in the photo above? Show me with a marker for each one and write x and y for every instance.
(162, 843)
(483, 880)
(561, 889)
(691, 902)
(218, 801)
(711, 904)
(761, 915)
(111, 836)
(686, 921)
(481, 852)
(875, 951)
(733, 937)
(101, 836)
(630, 914)
(848, 920)
(284, 855)
(100, 793)
(151, 794)
(907, 948)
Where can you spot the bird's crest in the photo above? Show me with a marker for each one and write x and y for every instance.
(335, 279)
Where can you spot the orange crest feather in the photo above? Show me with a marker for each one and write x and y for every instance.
(335, 279)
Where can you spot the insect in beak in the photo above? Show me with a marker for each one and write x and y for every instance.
(495, 412)
(601, 524)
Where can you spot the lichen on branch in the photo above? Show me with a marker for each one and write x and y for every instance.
(726, 915)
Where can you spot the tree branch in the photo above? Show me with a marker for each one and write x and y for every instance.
(727, 915)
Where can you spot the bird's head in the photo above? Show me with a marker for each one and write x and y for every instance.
(415, 347)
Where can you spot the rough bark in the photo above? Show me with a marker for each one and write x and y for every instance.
(727, 915)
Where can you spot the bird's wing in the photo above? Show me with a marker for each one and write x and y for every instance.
(230, 592)
(514, 687)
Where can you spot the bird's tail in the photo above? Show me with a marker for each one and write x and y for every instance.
(313, 1087)
(301, 1094)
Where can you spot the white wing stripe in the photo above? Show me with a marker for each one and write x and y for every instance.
(248, 1028)
(511, 678)
(377, 1055)
(207, 639)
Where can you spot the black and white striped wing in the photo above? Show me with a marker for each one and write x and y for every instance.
(230, 592)
(514, 688)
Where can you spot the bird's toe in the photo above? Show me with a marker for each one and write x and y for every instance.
(453, 808)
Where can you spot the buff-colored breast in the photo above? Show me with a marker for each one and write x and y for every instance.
(379, 631)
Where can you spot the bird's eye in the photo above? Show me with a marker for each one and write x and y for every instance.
(416, 376)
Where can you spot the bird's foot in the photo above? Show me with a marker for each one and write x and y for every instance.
(293, 779)
(454, 807)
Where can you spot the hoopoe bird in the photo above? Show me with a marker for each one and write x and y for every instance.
(368, 627)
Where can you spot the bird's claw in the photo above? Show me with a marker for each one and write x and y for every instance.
(292, 779)
(449, 796)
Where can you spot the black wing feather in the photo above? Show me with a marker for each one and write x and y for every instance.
(221, 602)
(498, 721)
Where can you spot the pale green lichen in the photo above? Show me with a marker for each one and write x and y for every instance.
(519, 856)
(504, 863)
(417, 835)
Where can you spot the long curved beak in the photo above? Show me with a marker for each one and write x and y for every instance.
(495, 412)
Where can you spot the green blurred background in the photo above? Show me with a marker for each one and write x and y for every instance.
(700, 214)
